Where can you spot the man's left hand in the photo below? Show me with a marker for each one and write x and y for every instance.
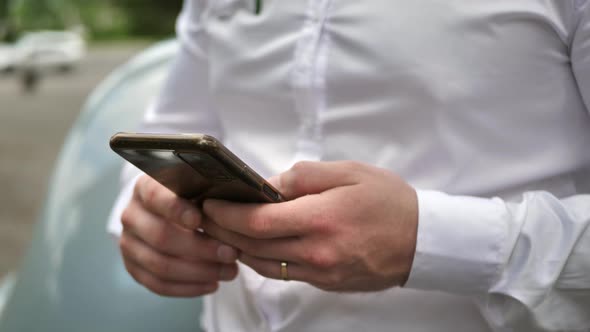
(347, 227)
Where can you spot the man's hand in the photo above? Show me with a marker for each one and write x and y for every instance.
(162, 248)
(348, 227)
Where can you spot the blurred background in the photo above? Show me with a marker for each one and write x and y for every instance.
(52, 54)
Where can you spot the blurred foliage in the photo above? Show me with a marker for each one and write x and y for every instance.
(101, 19)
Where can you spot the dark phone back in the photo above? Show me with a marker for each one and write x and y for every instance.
(194, 167)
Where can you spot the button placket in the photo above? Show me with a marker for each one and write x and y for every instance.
(308, 80)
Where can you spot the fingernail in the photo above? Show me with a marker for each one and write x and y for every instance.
(226, 273)
(227, 254)
(189, 218)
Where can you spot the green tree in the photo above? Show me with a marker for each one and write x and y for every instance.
(3, 18)
(7, 27)
(151, 17)
(103, 18)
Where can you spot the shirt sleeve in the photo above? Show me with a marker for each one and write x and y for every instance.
(183, 105)
(526, 263)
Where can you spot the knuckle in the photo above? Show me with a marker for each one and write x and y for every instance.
(127, 217)
(300, 167)
(297, 180)
(322, 259)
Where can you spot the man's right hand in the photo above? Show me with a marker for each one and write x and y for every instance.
(162, 248)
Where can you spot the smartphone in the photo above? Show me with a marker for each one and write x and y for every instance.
(195, 167)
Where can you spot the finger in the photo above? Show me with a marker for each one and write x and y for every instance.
(172, 240)
(166, 288)
(260, 221)
(172, 269)
(306, 178)
(274, 249)
(272, 269)
(163, 202)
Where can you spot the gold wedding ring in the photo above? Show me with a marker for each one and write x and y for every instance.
(284, 271)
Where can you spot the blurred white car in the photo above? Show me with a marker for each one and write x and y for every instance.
(50, 50)
(8, 57)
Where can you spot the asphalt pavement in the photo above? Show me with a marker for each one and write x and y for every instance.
(32, 130)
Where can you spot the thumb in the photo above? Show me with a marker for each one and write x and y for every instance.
(275, 181)
(308, 178)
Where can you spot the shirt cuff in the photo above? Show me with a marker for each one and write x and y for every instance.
(114, 226)
(459, 243)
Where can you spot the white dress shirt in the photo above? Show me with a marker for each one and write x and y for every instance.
(481, 105)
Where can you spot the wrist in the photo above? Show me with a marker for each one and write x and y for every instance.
(410, 238)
